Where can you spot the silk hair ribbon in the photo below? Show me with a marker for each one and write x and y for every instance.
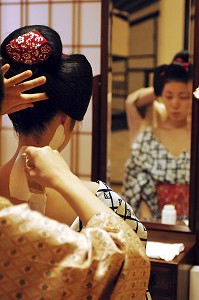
(21, 188)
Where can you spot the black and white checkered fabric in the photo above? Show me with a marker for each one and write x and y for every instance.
(120, 207)
(151, 163)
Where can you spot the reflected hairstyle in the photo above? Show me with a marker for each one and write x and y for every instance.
(68, 85)
(180, 70)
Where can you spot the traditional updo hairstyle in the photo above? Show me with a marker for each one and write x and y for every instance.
(180, 70)
(68, 85)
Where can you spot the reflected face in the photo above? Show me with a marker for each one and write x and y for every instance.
(177, 98)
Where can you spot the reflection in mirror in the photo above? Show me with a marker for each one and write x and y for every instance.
(140, 35)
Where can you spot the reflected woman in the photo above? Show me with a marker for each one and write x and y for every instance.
(158, 169)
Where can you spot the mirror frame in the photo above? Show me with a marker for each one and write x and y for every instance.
(99, 143)
(194, 174)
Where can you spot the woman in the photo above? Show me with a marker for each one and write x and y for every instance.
(157, 171)
(104, 266)
(44, 259)
(143, 107)
(69, 88)
(29, 232)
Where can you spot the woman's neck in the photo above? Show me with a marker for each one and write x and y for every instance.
(170, 124)
(36, 141)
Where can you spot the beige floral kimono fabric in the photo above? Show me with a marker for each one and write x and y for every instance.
(42, 259)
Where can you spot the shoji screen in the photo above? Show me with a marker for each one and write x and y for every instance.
(78, 23)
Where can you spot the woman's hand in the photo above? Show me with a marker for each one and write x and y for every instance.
(46, 166)
(14, 100)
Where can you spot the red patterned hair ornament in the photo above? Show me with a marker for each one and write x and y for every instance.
(183, 63)
(29, 48)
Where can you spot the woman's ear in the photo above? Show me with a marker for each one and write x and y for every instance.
(64, 119)
(68, 123)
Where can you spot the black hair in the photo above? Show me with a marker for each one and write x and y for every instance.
(180, 70)
(68, 85)
(181, 57)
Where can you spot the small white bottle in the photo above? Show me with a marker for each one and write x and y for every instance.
(169, 214)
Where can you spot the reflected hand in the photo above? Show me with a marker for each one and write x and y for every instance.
(14, 100)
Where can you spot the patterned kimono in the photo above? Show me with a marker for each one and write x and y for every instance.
(154, 175)
(42, 259)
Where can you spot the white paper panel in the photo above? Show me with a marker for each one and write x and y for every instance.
(84, 153)
(32, 1)
(87, 121)
(62, 21)
(66, 154)
(90, 20)
(38, 14)
(10, 19)
(10, 1)
(93, 56)
(67, 50)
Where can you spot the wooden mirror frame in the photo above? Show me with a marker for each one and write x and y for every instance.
(194, 175)
(99, 143)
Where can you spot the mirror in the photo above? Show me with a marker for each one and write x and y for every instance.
(132, 69)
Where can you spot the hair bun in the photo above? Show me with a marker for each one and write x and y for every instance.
(20, 60)
(166, 73)
(180, 69)
(182, 59)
